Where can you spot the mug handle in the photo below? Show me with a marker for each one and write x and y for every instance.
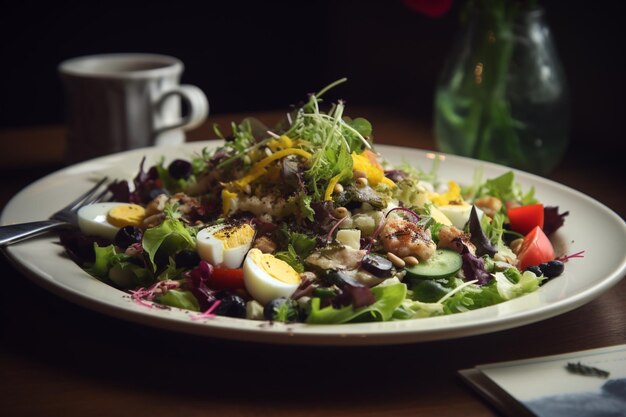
(196, 101)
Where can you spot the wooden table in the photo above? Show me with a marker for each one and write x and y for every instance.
(57, 359)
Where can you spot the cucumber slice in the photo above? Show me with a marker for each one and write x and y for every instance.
(443, 264)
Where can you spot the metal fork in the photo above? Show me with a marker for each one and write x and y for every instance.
(66, 217)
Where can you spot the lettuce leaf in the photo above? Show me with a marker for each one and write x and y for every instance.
(170, 236)
(473, 297)
(389, 295)
(506, 286)
(299, 246)
(180, 299)
(413, 309)
(506, 188)
(107, 258)
(528, 282)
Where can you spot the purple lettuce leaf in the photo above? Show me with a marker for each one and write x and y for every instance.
(196, 282)
(552, 219)
(474, 269)
(478, 237)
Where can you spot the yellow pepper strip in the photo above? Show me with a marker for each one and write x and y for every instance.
(227, 197)
(371, 156)
(253, 175)
(284, 142)
(366, 163)
(259, 168)
(331, 186)
(388, 182)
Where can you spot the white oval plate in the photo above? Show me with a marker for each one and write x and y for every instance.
(591, 227)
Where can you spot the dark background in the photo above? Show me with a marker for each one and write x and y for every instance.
(257, 55)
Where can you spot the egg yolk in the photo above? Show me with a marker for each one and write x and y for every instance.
(126, 215)
(274, 267)
(452, 196)
(235, 236)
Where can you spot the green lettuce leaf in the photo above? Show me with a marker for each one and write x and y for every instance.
(170, 236)
(506, 188)
(180, 299)
(388, 297)
(106, 257)
(291, 257)
(299, 246)
(361, 125)
(126, 274)
(527, 283)
(413, 309)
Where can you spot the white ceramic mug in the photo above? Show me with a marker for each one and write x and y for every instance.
(117, 102)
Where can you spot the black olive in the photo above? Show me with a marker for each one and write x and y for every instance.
(552, 269)
(180, 169)
(156, 191)
(231, 305)
(127, 236)
(535, 270)
(508, 237)
(281, 309)
(377, 265)
(339, 278)
(161, 259)
(187, 259)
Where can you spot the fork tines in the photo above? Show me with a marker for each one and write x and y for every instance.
(90, 196)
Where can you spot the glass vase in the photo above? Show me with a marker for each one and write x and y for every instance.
(502, 95)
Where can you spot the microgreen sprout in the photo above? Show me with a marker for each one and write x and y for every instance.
(208, 314)
(566, 258)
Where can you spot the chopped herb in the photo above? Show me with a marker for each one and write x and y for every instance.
(585, 370)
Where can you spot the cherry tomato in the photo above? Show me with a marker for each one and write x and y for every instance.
(536, 249)
(226, 279)
(523, 219)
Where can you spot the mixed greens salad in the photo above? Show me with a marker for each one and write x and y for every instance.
(306, 222)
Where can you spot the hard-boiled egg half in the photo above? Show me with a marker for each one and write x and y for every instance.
(267, 277)
(452, 207)
(225, 245)
(459, 214)
(105, 219)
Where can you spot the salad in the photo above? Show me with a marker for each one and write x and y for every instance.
(306, 222)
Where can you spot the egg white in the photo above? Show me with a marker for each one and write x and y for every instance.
(92, 220)
(262, 286)
(459, 214)
(212, 250)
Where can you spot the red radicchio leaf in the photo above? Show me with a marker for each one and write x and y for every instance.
(473, 266)
(146, 183)
(197, 280)
(120, 191)
(80, 247)
(458, 246)
(356, 296)
(395, 175)
(324, 216)
(478, 237)
(474, 269)
(352, 292)
(552, 220)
